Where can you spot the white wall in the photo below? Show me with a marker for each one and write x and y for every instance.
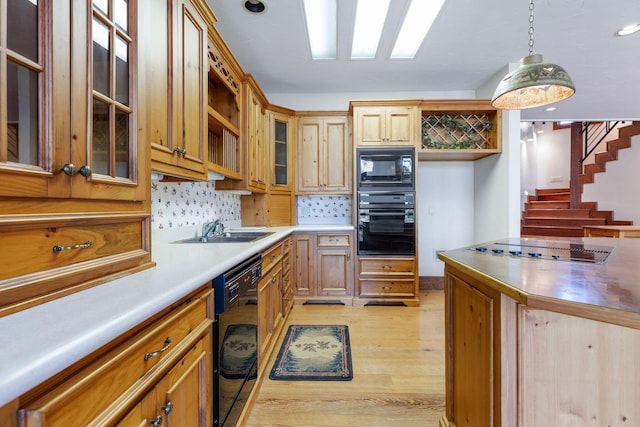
(617, 189)
(445, 211)
(497, 178)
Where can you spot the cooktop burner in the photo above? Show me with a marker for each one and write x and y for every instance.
(557, 251)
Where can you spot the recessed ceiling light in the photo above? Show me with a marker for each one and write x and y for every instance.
(370, 17)
(254, 6)
(415, 27)
(551, 109)
(629, 29)
(321, 17)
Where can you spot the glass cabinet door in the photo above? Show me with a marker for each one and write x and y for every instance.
(280, 152)
(25, 88)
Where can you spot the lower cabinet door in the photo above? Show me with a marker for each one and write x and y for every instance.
(182, 396)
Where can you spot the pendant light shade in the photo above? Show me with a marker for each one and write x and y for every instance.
(533, 84)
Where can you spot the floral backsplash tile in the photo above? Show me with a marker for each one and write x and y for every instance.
(181, 204)
(332, 209)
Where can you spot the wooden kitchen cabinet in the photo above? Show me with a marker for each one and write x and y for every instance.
(287, 276)
(166, 362)
(71, 165)
(254, 153)
(176, 86)
(323, 266)
(224, 97)
(276, 207)
(466, 130)
(387, 279)
(473, 384)
(324, 162)
(180, 398)
(280, 131)
(383, 123)
(270, 318)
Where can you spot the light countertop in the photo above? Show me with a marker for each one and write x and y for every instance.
(39, 342)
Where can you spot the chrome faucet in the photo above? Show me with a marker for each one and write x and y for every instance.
(212, 229)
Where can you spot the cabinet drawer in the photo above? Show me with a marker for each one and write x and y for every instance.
(49, 259)
(334, 239)
(382, 288)
(115, 373)
(271, 256)
(387, 266)
(39, 249)
(286, 245)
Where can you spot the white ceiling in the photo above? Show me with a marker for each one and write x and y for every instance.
(471, 42)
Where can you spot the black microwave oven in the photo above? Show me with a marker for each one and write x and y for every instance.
(385, 169)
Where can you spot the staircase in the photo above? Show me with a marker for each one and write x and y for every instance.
(547, 214)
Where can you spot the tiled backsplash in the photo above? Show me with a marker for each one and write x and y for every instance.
(182, 204)
(324, 210)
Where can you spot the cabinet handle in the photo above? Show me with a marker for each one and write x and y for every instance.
(167, 408)
(85, 171)
(69, 169)
(167, 344)
(274, 279)
(386, 267)
(84, 245)
(157, 421)
(387, 288)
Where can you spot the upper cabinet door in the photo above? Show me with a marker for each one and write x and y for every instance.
(175, 81)
(280, 131)
(68, 117)
(376, 125)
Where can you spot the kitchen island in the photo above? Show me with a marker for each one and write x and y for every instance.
(543, 332)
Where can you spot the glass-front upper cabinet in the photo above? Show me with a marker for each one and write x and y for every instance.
(67, 92)
(280, 132)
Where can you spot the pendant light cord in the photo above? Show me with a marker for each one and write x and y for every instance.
(530, 27)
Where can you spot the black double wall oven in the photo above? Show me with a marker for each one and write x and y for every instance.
(235, 340)
(386, 201)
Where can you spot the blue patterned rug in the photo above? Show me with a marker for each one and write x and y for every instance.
(318, 353)
(238, 351)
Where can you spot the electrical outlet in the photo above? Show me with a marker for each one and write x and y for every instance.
(436, 252)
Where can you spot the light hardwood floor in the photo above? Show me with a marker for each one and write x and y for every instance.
(398, 364)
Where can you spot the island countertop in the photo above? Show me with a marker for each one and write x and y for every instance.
(608, 291)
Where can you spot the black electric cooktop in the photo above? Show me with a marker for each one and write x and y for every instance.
(551, 250)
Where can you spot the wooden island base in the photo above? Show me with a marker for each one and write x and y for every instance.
(534, 342)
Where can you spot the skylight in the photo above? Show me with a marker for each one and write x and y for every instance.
(370, 17)
(417, 23)
(321, 17)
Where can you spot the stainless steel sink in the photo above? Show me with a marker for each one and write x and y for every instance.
(230, 237)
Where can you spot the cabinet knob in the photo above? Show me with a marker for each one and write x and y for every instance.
(69, 169)
(180, 150)
(85, 171)
(157, 421)
(167, 408)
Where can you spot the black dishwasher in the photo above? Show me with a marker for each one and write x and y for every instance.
(235, 340)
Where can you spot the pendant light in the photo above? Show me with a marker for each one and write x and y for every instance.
(534, 83)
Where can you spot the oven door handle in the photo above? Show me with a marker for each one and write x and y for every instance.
(388, 213)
